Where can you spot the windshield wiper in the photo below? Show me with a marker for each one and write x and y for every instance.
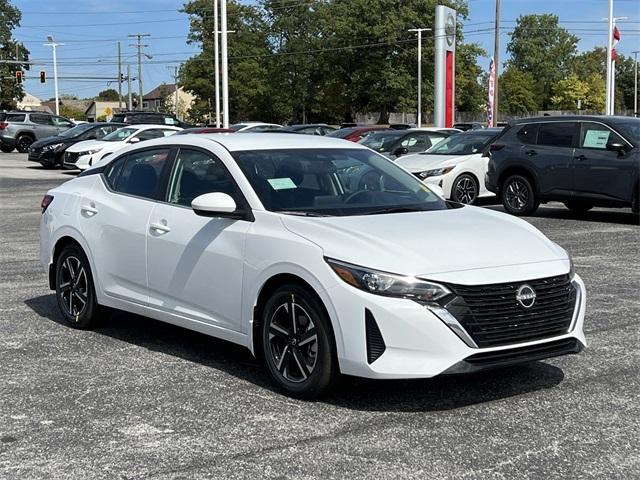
(393, 210)
(302, 214)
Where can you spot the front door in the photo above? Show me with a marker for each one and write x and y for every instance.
(195, 263)
(600, 172)
(115, 215)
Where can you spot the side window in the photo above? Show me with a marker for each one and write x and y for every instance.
(103, 131)
(597, 136)
(140, 173)
(557, 134)
(150, 134)
(435, 138)
(15, 118)
(112, 172)
(196, 173)
(415, 143)
(528, 133)
(41, 119)
(61, 122)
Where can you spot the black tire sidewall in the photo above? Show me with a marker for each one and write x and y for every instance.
(532, 202)
(6, 148)
(89, 316)
(455, 183)
(19, 146)
(324, 372)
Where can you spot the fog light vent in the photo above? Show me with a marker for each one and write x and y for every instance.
(375, 342)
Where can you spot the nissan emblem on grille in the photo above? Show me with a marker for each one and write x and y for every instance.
(526, 296)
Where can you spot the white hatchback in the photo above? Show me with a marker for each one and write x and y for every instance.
(268, 241)
(83, 155)
(458, 165)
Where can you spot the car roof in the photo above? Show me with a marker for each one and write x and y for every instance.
(271, 141)
(145, 126)
(572, 118)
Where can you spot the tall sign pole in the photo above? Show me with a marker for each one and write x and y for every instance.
(225, 64)
(216, 60)
(419, 113)
(444, 84)
(496, 63)
(608, 107)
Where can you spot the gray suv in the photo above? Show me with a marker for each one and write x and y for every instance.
(20, 129)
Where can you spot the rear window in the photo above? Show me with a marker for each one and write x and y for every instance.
(14, 117)
(557, 134)
(528, 133)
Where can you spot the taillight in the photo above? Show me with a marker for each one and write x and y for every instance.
(3, 125)
(494, 147)
(46, 201)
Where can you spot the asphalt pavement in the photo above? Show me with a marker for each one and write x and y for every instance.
(139, 399)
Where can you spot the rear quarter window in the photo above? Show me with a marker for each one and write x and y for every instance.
(528, 134)
(15, 117)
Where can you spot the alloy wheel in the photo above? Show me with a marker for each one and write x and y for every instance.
(293, 341)
(466, 190)
(73, 286)
(517, 195)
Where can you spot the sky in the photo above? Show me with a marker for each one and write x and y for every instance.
(90, 30)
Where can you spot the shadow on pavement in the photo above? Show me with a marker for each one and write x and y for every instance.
(623, 216)
(440, 393)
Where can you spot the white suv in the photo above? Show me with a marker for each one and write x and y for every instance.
(267, 241)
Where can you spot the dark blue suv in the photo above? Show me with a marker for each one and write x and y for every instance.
(582, 161)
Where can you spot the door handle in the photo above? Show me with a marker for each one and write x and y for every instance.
(531, 153)
(89, 210)
(580, 158)
(159, 228)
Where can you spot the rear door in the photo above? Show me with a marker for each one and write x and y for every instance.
(44, 126)
(552, 157)
(599, 172)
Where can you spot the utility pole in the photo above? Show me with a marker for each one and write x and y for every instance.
(53, 45)
(608, 108)
(175, 89)
(419, 30)
(225, 65)
(119, 78)
(129, 86)
(139, 47)
(216, 61)
(635, 83)
(496, 65)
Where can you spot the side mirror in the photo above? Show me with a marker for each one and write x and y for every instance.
(616, 147)
(437, 190)
(400, 151)
(135, 140)
(216, 204)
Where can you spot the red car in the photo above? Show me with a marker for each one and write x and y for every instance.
(355, 134)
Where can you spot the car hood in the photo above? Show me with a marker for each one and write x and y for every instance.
(88, 145)
(51, 141)
(420, 162)
(432, 243)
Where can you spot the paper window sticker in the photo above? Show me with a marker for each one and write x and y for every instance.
(281, 183)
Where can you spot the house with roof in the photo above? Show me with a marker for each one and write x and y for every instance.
(167, 91)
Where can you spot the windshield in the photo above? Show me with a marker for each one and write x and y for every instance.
(237, 126)
(338, 182)
(77, 130)
(631, 128)
(120, 135)
(341, 133)
(460, 144)
(381, 142)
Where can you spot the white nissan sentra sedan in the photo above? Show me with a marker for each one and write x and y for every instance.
(270, 241)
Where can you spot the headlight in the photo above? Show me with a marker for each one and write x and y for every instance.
(435, 172)
(89, 152)
(388, 284)
(53, 147)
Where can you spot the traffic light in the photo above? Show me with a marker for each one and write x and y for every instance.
(43, 76)
(121, 77)
(25, 58)
(18, 76)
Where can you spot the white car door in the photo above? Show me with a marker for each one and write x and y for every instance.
(195, 263)
(114, 217)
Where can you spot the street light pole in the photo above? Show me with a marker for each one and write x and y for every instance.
(139, 46)
(216, 61)
(496, 64)
(419, 30)
(635, 83)
(608, 108)
(225, 64)
(53, 45)
(129, 86)
(119, 77)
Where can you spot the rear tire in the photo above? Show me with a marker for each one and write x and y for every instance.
(577, 207)
(74, 289)
(6, 148)
(465, 189)
(297, 343)
(518, 196)
(23, 142)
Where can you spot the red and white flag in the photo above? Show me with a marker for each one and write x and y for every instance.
(492, 86)
(616, 39)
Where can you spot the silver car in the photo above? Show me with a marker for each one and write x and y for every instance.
(19, 129)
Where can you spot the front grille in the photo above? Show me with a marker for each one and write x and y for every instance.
(71, 157)
(492, 316)
(375, 342)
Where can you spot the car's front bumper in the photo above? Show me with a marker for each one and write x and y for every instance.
(7, 141)
(418, 344)
(74, 162)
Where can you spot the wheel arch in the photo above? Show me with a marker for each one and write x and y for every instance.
(66, 237)
(519, 170)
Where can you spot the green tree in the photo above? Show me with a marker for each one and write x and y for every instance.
(108, 95)
(568, 92)
(166, 102)
(596, 93)
(10, 90)
(517, 92)
(71, 112)
(540, 47)
(471, 96)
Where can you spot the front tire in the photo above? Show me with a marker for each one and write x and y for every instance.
(518, 196)
(6, 148)
(297, 343)
(23, 142)
(74, 289)
(465, 189)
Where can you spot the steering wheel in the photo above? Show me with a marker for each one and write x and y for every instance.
(370, 181)
(357, 197)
